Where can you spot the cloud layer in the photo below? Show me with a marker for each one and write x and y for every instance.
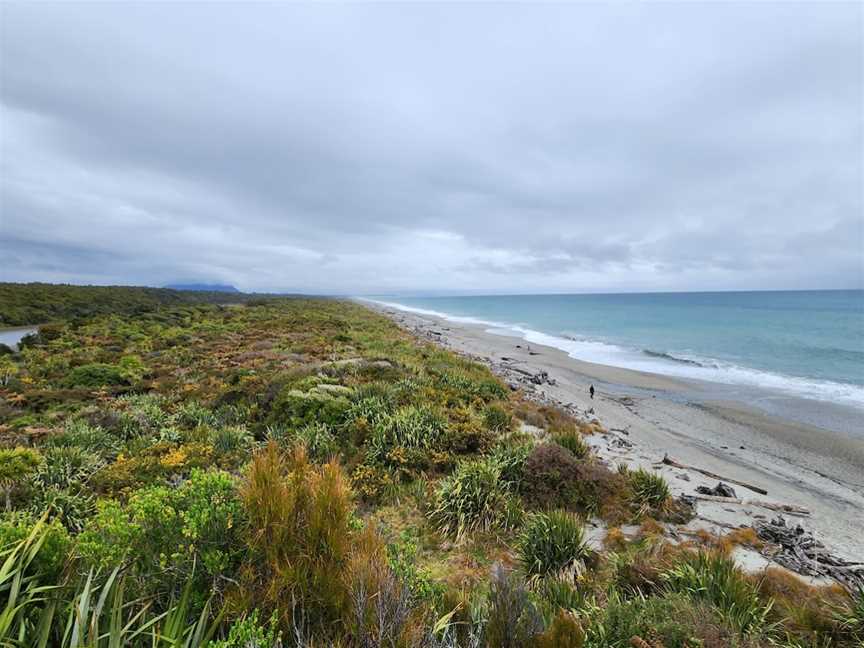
(450, 148)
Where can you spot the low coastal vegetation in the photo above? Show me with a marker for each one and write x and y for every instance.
(302, 472)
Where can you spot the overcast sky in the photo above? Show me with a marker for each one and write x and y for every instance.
(450, 148)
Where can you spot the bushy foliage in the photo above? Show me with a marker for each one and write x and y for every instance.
(167, 533)
(552, 479)
(249, 632)
(573, 441)
(16, 465)
(649, 489)
(95, 375)
(513, 621)
(298, 537)
(474, 498)
(552, 542)
(497, 419)
(715, 578)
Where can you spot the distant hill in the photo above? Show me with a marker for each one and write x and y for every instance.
(204, 287)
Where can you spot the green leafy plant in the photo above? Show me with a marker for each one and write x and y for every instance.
(16, 466)
(649, 489)
(552, 542)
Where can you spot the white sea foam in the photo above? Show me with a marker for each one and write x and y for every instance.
(708, 369)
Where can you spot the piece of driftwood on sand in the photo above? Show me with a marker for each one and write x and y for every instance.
(797, 549)
(668, 461)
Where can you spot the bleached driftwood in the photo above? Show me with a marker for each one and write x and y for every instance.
(668, 461)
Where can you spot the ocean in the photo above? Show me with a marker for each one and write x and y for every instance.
(804, 344)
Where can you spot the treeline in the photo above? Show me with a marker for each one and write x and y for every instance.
(37, 303)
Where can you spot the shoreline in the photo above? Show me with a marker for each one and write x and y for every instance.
(649, 415)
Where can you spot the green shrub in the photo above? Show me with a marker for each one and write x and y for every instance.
(79, 434)
(671, 621)
(511, 458)
(71, 507)
(320, 443)
(573, 441)
(649, 489)
(166, 532)
(95, 375)
(552, 542)
(231, 440)
(473, 498)
(297, 408)
(56, 548)
(16, 466)
(66, 467)
(497, 419)
(248, 632)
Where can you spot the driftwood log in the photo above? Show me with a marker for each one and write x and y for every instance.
(668, 461)
(798, 550)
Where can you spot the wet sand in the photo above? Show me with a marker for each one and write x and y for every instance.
(649, 416)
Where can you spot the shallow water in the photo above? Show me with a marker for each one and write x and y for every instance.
(11, 336)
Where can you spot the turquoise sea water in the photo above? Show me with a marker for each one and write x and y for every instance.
(807, 344)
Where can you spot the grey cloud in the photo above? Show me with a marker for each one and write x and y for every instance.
(368, 148)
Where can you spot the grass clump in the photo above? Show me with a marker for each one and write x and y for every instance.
(473, 498)
(298, 538)
(711, 577)
(649, 489)
(573, 441)
(552, 542)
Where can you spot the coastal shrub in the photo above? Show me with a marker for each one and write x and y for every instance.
(297, 408)
(671, 621)
(497, 419)
(142, 414)
(372, 482)
(65, 467)
(552, 479)
(320, 442)
(512, 618)
(511, 455)
(298, 538)
(411, 427)
(169, 533)
(649, 489)
(711, 577)
(231, 440)
(79, 434)
(16, 466)
(249, 632)
(383, 610)
(552, 542)
(573, 441)
(565, 631)
(95, 375)
(56, 547)
(72, 507)
(474, 498)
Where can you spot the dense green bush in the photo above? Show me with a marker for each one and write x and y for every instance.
(573, 441)
(474, 498)
(497, 419)
(552, 542)
(97, 374)
(649, 489)
(167, 532)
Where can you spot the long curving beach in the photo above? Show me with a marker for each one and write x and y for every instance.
(649, 416)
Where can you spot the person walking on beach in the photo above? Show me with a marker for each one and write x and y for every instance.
(591, 391)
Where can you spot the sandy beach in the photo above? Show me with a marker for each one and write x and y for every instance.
(649, 416)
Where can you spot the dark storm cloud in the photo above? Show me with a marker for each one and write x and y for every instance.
(364, 148)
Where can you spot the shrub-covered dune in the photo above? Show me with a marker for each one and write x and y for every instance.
(303, 472)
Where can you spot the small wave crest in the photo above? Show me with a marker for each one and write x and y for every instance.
(672, 358)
